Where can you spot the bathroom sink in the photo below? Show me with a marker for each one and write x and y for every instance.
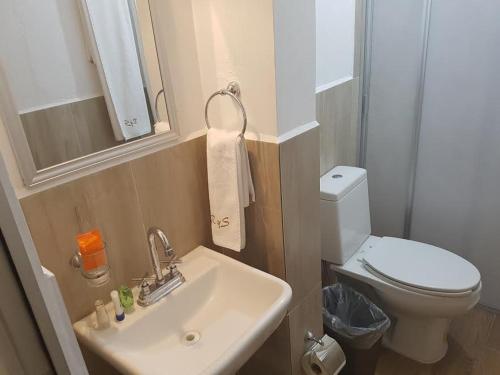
(211, 324)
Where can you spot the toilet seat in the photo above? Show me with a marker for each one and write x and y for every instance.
(417, 290)
(421, 268)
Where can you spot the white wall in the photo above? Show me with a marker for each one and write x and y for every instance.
(150, 57)
(231, 40)
(44, 54)
(208, 45)
(177, 42)
(266, 45)
(334, 41)
(269, 48)
(235, 43)
(295, 54)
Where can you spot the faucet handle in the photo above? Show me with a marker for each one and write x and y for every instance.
(144, 283)
(169, 251)
(172, 265)
(145, 288)
(142, 280)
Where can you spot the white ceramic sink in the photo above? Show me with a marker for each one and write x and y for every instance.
(211, 324)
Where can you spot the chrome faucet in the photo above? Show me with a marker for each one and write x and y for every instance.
(167, 248)
(158, 286)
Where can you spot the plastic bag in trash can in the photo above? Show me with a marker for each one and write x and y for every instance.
(353, 316)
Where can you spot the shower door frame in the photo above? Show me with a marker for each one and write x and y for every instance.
(367, 62)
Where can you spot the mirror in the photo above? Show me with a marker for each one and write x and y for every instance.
(86, 77)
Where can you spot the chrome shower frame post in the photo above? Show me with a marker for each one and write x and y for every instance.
(369, 14)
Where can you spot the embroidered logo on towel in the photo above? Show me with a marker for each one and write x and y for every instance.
(131, 122)
(221, 223)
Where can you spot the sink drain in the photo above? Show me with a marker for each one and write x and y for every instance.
(191, 338)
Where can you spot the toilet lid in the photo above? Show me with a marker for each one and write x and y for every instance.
(422, 266)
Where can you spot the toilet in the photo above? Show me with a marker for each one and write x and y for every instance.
(421, 287)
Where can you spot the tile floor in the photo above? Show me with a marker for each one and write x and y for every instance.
(474, 349)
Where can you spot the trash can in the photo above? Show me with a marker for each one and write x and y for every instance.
(357, 324)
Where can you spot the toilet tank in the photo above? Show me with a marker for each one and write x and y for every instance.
(345, 213)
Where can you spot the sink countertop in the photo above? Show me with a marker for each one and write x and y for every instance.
(211, 324)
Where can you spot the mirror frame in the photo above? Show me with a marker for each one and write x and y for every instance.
(33, 177)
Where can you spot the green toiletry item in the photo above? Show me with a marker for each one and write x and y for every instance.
(126, 298)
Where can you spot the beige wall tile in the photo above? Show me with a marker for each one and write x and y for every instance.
(306, 316)
(264, 248)
(106, 200)
(265, 165)
(173, 193)
(337, 113)
(184, 212)
(51, 135)
(61, 133)
(273, 357)
(167, 189)
(93, 125)
(301, 218)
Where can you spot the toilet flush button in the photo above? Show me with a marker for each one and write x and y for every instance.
(337, 176)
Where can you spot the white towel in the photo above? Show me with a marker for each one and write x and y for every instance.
(230, 187)
(119, 64)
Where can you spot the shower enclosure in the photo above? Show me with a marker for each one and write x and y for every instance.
(431, 127)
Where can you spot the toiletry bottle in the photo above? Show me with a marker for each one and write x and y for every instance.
(101, 314)
(126, 298)
(119, 314)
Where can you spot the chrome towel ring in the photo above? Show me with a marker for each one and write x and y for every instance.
(233, 90)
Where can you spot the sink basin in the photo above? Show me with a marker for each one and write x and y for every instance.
(211, 324)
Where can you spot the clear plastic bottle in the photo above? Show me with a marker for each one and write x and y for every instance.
(101, 315)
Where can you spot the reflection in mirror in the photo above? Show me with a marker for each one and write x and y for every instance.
(85, 75)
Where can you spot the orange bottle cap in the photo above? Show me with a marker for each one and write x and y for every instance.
(91, 250)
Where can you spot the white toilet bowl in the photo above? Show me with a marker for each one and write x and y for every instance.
(420, 317)
(421, 287)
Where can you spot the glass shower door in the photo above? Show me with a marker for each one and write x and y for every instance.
(432, 127)
(396, 37)
(457, 184)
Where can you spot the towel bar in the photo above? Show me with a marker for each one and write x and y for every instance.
(233, 90)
